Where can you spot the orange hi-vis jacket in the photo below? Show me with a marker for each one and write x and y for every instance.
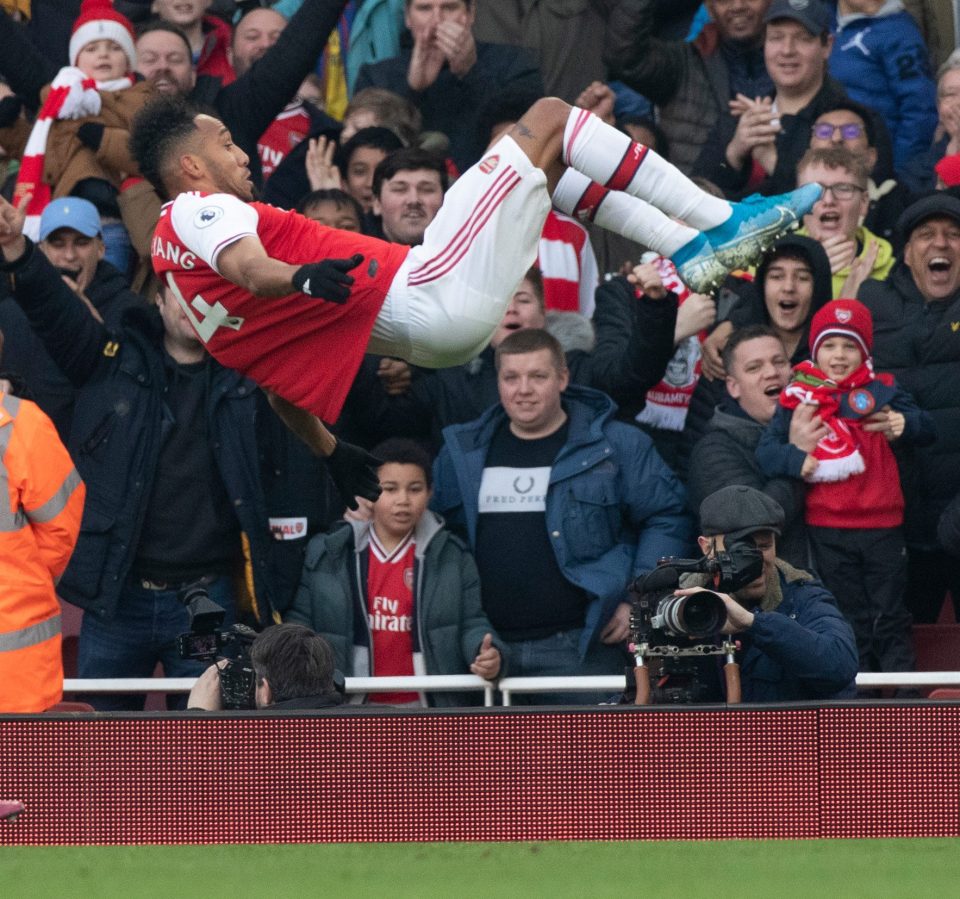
(41, 500)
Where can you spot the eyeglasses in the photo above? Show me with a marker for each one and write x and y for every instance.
(825, 131)
(843, 191)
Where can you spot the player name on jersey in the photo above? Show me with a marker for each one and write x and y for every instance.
(172, 253)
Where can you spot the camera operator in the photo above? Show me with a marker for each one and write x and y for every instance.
(794, 643)
(293, 667)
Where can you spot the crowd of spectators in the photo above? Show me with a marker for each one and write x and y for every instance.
(524, 491)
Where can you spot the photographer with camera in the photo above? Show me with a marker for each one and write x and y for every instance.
(292, 669)
(793, 641)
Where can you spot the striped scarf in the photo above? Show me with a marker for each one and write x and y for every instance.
(842, 407)
(72, 96)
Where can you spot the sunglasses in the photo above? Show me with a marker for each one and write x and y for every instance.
(824, 131)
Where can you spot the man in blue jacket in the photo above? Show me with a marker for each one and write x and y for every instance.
(562, 506)
(794, 642)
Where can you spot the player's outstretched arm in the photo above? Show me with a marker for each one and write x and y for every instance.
(245, 262)
(354, 471)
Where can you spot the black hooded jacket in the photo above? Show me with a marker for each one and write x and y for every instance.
(916, 341)
(24, 353)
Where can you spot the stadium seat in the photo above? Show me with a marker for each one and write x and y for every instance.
(937, 646)
(71, 619)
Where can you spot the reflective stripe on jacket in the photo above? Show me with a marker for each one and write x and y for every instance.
(39, 524)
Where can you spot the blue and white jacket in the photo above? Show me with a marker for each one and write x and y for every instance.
(613, 505)
(883, 63)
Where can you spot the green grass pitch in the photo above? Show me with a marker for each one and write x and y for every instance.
(776, 869)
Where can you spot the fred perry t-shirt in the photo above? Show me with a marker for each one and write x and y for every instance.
(524, 593)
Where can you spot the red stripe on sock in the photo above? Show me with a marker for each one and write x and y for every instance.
(582, 118)
(587, 205)
(632, 160)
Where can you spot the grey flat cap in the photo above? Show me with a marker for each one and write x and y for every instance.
(738, 510)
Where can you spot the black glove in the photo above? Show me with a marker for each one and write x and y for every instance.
(354, 471)
(91, 135)
(327, 280)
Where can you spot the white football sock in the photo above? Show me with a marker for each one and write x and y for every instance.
(579, 197)
(610, 158)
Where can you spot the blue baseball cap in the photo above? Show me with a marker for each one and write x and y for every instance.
(70, 212)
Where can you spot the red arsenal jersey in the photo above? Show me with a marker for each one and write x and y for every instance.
(306, 350)
(281, 136)
(390, 613)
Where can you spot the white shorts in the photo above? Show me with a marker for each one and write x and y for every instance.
(452, 291)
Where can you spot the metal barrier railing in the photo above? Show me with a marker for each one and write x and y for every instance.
(438, 683)
(508, 686)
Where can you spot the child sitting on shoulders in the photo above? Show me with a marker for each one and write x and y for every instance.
(78, 144)
(836, 421)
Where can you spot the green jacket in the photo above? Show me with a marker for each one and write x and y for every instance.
(449, 624)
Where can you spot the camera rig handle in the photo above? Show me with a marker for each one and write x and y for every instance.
(641, 676)
(731, 674)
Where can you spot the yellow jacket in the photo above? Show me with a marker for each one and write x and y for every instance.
(881, 268)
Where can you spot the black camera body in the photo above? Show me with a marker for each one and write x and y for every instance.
(658, 616)
(682, 630)
(205, 642)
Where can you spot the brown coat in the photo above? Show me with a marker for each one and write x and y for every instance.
(67, 160)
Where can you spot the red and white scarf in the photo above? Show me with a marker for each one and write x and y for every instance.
(668, 402)
(72, 96)
(838, 453)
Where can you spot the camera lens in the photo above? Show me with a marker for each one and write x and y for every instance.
(698, 615)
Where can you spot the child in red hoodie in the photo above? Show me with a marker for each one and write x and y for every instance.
(836, 421)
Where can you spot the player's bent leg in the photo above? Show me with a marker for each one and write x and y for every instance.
(736, 234)
(539, 133)
(697, 264)
(452, 291)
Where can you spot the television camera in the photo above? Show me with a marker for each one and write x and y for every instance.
(205, 642)
(683, 630)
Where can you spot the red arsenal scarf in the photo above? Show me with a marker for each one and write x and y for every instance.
(72, 96)
(838, 453)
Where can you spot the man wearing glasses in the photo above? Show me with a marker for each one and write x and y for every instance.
(836, 220)
(846, 123)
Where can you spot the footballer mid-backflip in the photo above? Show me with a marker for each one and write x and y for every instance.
(249, 276)
(269, 294)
